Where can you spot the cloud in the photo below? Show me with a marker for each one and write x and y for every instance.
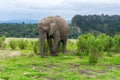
(36, 9)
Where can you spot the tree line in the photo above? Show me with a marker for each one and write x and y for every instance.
(23, 30)
(18, 30)
(108, 24)
(80, 24)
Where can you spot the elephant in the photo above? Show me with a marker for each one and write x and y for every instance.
(53, 28)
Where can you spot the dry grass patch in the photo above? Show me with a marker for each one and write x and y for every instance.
(9, 54)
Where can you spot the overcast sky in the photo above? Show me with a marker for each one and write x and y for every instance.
(37, 9)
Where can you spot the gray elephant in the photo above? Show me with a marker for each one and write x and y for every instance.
(56, 28)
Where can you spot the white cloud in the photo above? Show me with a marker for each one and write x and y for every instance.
(35, 9)
(94, 1)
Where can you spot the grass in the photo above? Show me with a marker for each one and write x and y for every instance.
(63, 67)
(24, 65)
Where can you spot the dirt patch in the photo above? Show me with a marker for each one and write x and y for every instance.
(113, 66)
(86, 72)
(71, 52)
(117, 66)
(110, 66)
(73, 65)
(50, 66)
(92, 73)
(9, 54)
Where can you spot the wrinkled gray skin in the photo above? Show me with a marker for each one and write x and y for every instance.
(56, 28)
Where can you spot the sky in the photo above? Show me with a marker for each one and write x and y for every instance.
(37, 9)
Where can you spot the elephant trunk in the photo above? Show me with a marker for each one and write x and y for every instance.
(42, 38)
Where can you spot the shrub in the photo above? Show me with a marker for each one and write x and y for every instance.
(2, 42)
(87, 44)
(71, 45)
(105, 41)
(13, 44)
(116, 43)
(22, 44)
(84, 43)
(95, 51)
(35, 47)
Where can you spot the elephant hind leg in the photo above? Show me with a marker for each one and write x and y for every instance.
(64, 45)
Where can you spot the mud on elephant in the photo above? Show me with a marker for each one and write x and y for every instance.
(56, 28)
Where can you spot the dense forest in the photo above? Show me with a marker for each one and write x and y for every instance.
(97, 24)
(18, 30)
(23, 30)
(80, 24)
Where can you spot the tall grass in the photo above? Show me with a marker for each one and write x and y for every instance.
(22, 44)
(2, 42)
(13, 44)
(35, 46)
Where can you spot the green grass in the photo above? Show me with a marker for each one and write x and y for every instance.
(25, 65)
(63, 67)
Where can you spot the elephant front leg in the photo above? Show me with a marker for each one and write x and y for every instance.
(42, 37)
(56, 42)
(49, 41)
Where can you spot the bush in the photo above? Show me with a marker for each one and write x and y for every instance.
(71, 45)
(87, 44)
(115, 43)
(95, 51)
(84, 44)
(22, 44)
(35, 47)
(2, 42)
(13, 44)
(105, 40)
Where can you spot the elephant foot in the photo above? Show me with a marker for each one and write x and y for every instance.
(64, 51)
(54, 54)
(43, 56)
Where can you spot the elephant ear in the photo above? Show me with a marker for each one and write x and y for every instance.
(53, 27)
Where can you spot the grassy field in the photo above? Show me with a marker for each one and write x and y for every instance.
(25, 65)
(63, 67)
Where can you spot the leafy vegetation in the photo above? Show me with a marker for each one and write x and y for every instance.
(35, 46)
(25, 65)
(23, 30)
(22, 44)
(94, 47)
(97, 24)
(2, 42)
(18, 30)
(13, 44)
